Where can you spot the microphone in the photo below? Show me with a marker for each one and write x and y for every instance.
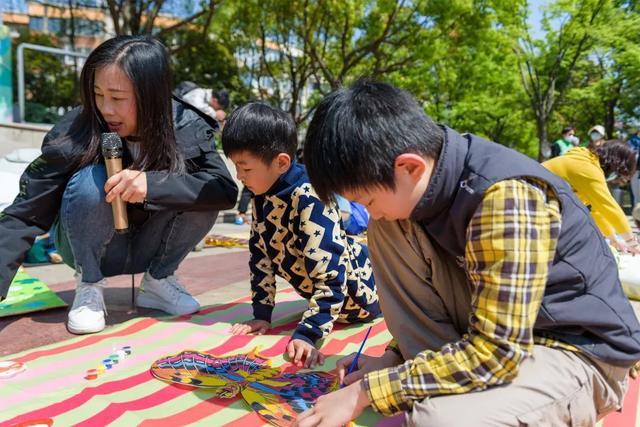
(112, 153)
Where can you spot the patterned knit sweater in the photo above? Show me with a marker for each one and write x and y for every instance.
(297, 237)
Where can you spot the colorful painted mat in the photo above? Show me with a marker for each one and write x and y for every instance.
(28, 294)
(53, 386)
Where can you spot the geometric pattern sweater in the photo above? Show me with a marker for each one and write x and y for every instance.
(297, 237)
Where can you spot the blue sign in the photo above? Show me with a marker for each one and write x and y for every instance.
(6, 93)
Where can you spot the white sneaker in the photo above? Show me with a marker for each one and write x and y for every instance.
(88, 309)
(167, 295)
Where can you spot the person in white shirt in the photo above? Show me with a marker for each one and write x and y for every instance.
(208, 101)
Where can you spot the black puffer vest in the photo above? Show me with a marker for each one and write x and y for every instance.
(583, 303)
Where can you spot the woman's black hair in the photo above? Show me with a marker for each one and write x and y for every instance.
(261, 130)
(616, 157)
(145, 61)
(357, 133)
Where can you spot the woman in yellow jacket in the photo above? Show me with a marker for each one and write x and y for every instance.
(588, 170)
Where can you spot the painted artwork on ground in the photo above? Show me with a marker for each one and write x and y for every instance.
(277, 397)
(28, 294)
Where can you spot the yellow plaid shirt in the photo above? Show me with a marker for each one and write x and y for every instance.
(511, 241)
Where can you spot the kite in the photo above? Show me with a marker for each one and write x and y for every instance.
(277, 397)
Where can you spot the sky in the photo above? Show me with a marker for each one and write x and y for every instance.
(181, 7)
(185, 8)
(535, 17)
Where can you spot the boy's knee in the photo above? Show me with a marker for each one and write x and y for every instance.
(440, 411)
(426, 413)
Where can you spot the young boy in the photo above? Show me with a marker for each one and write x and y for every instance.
(294, 235)
(501, 295)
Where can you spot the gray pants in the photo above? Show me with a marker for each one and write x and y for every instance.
(426, 300)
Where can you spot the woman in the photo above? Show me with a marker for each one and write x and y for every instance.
(588, 170)
(174, 183)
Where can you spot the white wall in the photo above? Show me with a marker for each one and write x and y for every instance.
(21, 135)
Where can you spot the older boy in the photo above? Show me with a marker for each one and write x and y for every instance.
(501, 294)
(294, 235)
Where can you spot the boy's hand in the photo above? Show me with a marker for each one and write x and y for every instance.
(337, 408)
(365, 365)
(300, 350)
(255, 326)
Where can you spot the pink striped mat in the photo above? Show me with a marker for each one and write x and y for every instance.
(54, 386)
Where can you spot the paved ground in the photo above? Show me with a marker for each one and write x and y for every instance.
(215, 275)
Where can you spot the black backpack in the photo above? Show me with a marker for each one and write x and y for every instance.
(184, 88)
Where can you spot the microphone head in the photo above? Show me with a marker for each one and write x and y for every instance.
(111, 145)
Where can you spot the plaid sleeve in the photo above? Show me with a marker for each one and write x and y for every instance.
(511, 241)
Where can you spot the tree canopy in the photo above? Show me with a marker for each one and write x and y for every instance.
(475, 65)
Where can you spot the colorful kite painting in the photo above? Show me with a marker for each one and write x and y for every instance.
(28, 294)
(277, 397)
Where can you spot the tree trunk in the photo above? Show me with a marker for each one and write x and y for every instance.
(544, 149)
(610, 117)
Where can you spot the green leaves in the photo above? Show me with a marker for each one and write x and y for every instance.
(49, 83)
(473, 64)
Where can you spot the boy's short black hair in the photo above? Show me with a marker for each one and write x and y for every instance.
(261, 130)
(357, 133)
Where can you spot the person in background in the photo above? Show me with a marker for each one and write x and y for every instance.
(243, 206)
(596, 136)
(211, 102)
(567, 141)
(588, 171)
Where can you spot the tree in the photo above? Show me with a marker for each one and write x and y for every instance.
(137, 17)
(207, 62)
(607, 80)
(457, 57)
(295, 51)
(467, 74)
(49, 83)
(548, 66)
